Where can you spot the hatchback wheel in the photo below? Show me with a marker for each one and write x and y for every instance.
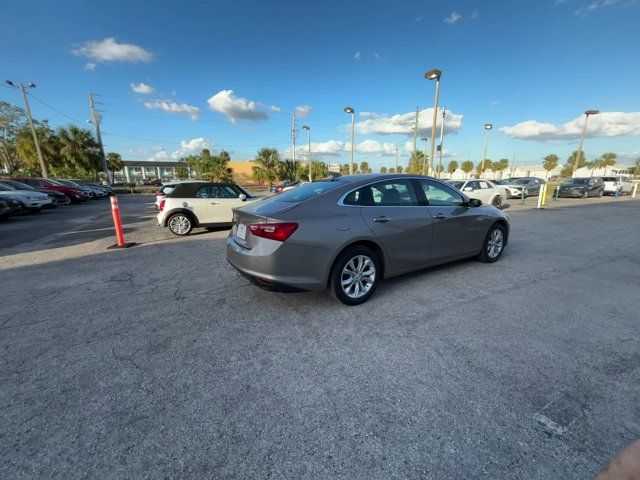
(493, 244)
(355, 275)
(180, 224)
(497, 201)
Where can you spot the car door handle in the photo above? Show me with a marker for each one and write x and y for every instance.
(440, 216)
(381, 219)
(214, 203)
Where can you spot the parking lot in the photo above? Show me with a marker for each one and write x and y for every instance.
(161, 361)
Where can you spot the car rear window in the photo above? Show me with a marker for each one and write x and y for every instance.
(307, 191)
(609, 179)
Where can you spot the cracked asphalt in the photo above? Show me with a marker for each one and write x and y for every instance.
(161, 362)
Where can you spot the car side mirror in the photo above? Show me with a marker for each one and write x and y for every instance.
(474, 202)
(467, 189)
(242, 197)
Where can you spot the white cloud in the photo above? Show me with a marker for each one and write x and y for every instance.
(237, 108)
(90, 66)
(142, 88)
(187, 147)
(495, 103)
(419, 18)
(403, 123)
(474, 15)
(195, 145)
(373, 146)
(357, 56)
(605, 124)
(109, 50)
(174, 107)
(330, 148)
(586, 9)
(302, 111)
(453, 17)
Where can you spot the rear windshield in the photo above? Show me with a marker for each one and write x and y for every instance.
(576, 181)
(457, 185)
(307, 191)
(609, 179)
(167, 189)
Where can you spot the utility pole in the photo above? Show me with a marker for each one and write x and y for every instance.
(584, 131)
(309, 161)
(415, 133)
(293, 137)
(444, 114)
(43, 167)
(513, 164)
(96, 122)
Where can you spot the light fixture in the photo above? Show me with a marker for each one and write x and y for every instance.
(488, 126)
(433, 74)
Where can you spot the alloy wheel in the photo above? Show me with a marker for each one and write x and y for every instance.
(495, 243)
(358, 276)
(180, 225)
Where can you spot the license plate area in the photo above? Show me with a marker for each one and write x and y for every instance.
(241, 232)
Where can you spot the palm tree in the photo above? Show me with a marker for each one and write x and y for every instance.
(452, 167)
(78, 149)
(364, 167)
(467, 167)
(268, 166)
(550, 162)
(606, 160)
(383, 169)
(289, 170)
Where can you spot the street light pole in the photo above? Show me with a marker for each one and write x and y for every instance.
(309, 162)
(487, 127)
(353, 124)
(43, 167)
(433, 75)
(415, 132)
(584, 132)
(97, 117)
(424, 140)
(444, 114)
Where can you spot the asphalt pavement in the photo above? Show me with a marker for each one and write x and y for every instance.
(160, 361)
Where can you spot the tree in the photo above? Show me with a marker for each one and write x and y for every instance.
(636, 168)
(452, 167)
(416, 162)
(79, 152)
(500, 166)
(567, 170)
(268, 166)
(383, 169)
(12, 121)
(550, 162)
(466, 167)
(213, 168)
(605, 160)
(399, 169)
(114, 162)
(49, 146)
(439, 170)
(182, 170)
(289, 170)
(344, 169)
(392, 170)
(488, 165)
(364, 167)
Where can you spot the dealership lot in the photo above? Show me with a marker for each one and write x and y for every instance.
(161, 360)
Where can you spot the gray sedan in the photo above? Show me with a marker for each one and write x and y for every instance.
(349, 233)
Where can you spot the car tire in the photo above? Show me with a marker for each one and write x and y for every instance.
(352, 264)
(493, 244)
(67, 200)
(180, 224)
(497, 201)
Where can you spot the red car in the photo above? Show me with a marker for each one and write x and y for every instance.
(74, 195)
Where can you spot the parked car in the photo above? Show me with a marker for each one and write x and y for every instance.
(284, 186)
(582, 188)
(9, 206)
(31, 201)
(611, 184)
(513, 190)
(57, 197)
(167, 188)
(531, 185)
(92, 192)
(350, 233)
(485, 190)
(154, 183)
(198, 204)
(105, 188)
(74, 194)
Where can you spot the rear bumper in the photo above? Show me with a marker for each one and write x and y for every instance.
(284, 265)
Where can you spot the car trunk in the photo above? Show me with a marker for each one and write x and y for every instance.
(256, 213)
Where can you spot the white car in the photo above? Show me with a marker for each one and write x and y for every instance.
(612, 183)
(168, 187)
(201, 204)
(33, 201)
(485, 190)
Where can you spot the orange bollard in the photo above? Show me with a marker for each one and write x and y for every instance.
(115, 211)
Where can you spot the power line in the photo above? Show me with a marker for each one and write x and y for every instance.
(54, 109)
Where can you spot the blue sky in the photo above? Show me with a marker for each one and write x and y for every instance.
(229, 74)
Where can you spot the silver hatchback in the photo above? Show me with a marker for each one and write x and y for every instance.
(349, 233)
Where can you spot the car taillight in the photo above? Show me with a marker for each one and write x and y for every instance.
(158, 193)
(161, 206)
(273, 231)
(278, 189)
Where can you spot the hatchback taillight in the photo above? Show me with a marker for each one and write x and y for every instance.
(161, 205)
(158, 193)
(273, 231)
